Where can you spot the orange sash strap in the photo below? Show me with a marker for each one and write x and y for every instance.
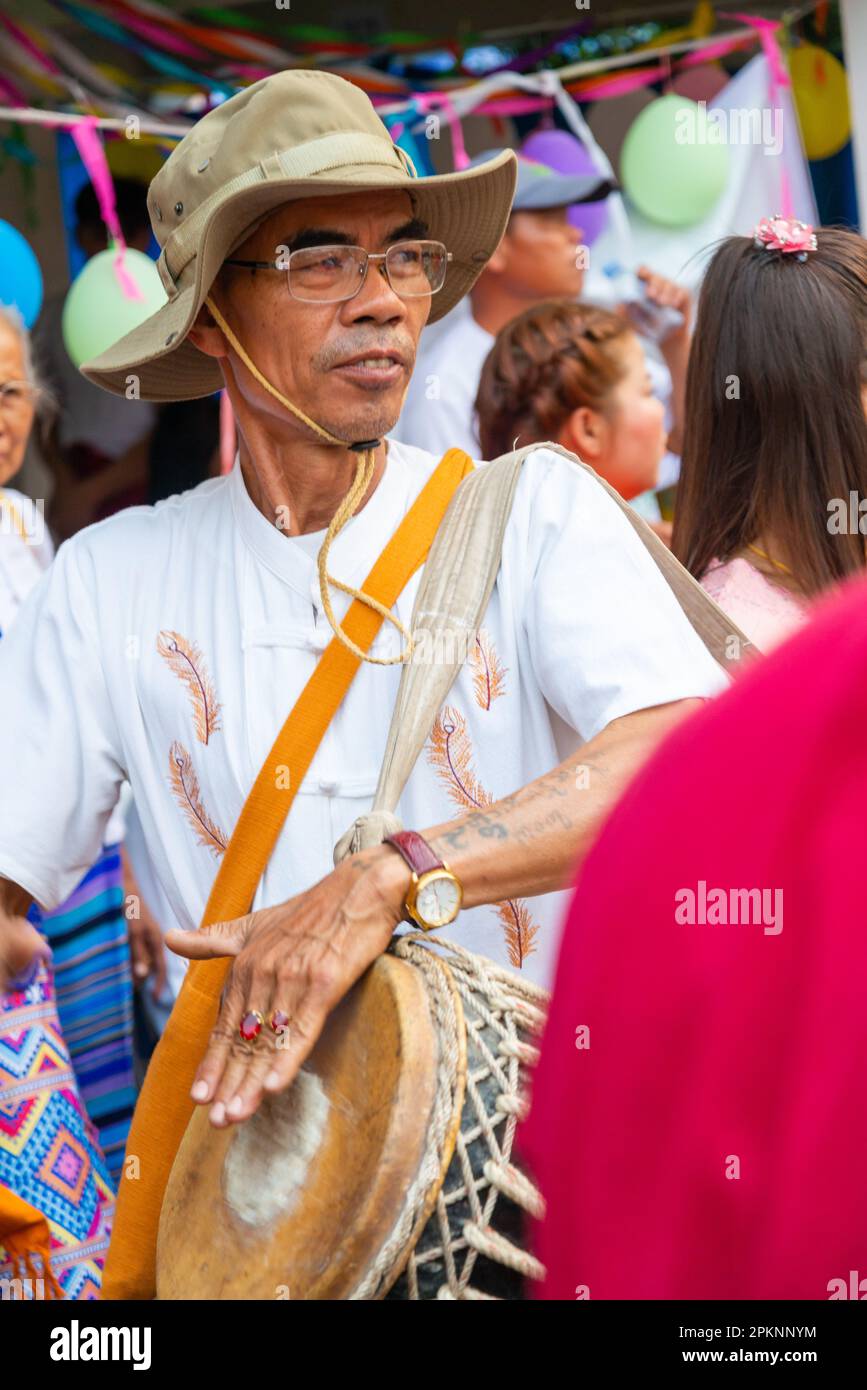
(164, 1106)
(24, 1234)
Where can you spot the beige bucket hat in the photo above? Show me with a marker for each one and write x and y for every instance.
(296, 134)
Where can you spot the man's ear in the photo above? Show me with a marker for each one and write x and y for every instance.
(500, 259)
(207, 336)
(584, 433)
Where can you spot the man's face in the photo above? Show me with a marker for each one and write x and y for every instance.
(321, 355)
(537, 257)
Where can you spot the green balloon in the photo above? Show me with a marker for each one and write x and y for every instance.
(674, 164)
(97, 312)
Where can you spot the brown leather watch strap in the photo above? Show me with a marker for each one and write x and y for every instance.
(415, 849)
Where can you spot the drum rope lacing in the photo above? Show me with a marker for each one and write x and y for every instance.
(499, 1001)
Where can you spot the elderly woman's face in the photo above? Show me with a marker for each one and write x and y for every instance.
(16, 404)
(321, 355)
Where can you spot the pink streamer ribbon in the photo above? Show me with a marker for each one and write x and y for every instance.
(425, 101)
(14, 94)
(595, 89)
(162, 37)
(713, 51)
(621, 86)
(20, 37)
(93, 158)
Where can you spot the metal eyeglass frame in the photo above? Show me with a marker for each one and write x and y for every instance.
(283, 266)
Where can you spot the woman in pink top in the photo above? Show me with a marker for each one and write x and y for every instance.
(775, 439)
(698, 1127)
(758, 603)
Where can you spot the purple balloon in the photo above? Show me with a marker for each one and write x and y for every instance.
(565, 154)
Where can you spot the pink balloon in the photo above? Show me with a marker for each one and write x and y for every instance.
(565, 154)
(701, 83)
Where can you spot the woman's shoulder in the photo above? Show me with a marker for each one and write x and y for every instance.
(765, 611)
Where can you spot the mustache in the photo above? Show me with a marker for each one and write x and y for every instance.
(361, 344)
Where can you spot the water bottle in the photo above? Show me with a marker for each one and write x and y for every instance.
(654, 321)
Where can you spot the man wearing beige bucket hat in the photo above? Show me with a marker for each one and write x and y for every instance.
(302, 256)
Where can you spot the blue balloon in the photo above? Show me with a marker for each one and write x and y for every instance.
(20, 276)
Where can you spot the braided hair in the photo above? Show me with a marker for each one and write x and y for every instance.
(546, 363)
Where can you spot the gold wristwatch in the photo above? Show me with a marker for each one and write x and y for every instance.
(435, 894)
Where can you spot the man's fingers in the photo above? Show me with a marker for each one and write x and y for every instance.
(159, 963)
(223, 1038)
(209, 943)
(661, 290)
(244, 1058)
(240, 1059)
(299, 1041)
(300, 959)
(306, 998)
(139, 955)
(309, 1001)
(244, 1086)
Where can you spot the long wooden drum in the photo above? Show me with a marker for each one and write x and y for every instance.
(385, 1170)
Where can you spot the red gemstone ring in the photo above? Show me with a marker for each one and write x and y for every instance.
(279, 1021)
(251, 1025)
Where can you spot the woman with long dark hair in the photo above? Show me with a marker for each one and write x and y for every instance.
(775, 437)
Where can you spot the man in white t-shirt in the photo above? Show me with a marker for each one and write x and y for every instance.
(540, 257)
(167, 645)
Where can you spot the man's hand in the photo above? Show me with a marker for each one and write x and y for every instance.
(147, 953)
(299, 957)
(668, 294)
(19, 940)
(674, 347)
(147, 950)
(19, 943)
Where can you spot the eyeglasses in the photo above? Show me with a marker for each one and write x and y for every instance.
(16, 396)
(328, 274)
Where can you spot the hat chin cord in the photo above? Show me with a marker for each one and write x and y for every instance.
(366, 450)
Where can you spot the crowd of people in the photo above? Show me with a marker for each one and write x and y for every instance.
(146, 670)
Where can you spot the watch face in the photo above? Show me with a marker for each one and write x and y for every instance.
(438, 901)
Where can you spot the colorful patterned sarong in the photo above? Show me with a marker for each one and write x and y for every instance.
(93, 982)
(49, 1155)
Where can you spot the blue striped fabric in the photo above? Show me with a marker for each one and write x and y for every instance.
(88, 939)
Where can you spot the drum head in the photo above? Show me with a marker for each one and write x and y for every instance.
(322, 1194)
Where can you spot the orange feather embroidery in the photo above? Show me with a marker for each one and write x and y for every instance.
(185, 659)
(489, 674)
(520, 930)
(185, 785)
(450, 753)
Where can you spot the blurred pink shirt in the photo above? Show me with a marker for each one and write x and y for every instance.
(766, 612)
(698, 1127)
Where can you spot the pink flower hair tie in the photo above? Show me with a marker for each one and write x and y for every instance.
(785, 234)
